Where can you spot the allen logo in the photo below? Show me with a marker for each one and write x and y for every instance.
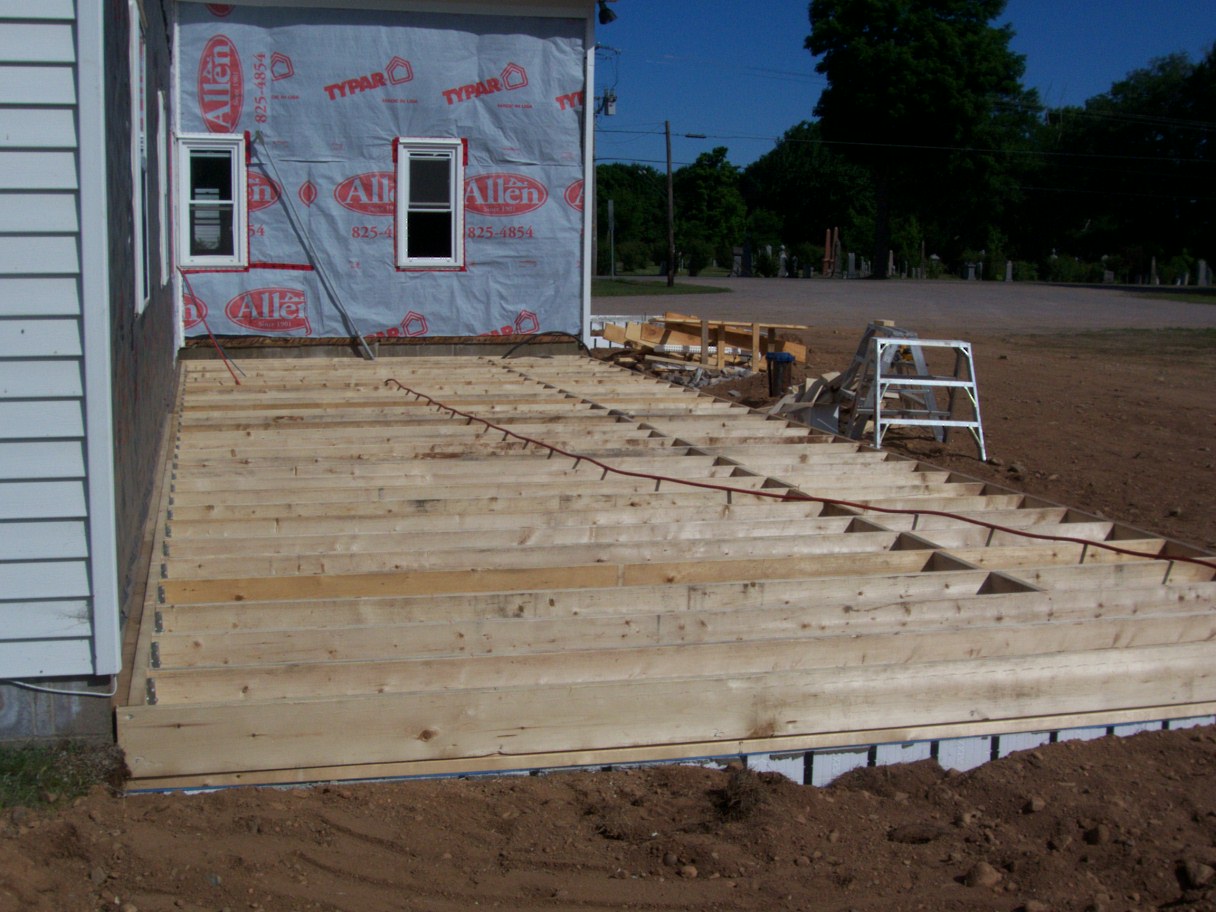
(220, 85)
(503, 194)
(372, 193)
(275, 310)
(194, 311)
(511, 78)
(219, 10)
(263, 192)
(307, 193)
(574, 195)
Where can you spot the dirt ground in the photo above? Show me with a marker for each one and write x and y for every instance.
(1116, 423)
(1119, 423)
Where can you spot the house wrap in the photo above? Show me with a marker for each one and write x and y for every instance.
(407, 173)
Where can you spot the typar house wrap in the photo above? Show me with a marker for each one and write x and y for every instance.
(321, 104)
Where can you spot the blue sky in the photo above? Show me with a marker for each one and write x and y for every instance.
(737, 72)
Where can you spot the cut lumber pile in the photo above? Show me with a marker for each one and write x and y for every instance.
(676, 341)
(537, 562)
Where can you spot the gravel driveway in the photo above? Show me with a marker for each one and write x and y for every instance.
(952, 308)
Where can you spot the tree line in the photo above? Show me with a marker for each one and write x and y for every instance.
(928, 149)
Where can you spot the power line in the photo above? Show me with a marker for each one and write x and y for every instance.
(979, 150)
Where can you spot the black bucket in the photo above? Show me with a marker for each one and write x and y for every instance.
(780, 364)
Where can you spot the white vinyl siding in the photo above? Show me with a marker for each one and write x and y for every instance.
(58, 612)
(50, 297)
(29, 379)
(42, 419)
(23, 42)
(47, 9)
(43, 656)
(42, 212)
(45, 85)
(49, 458)
(34, 620)
(39, 254)
(51, 128)
(38, 170)
(39, 338)
(41, 500)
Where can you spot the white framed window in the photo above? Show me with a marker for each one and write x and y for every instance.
(212, 211)
(430, 203)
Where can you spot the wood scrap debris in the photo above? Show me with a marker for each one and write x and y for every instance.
(677, 342)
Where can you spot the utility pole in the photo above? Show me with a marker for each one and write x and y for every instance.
(671, 214)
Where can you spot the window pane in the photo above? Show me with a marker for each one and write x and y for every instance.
(429, 235)
(430, 181)
(211, 231)
(211, 175)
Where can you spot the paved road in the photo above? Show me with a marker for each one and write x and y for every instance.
(951, 309)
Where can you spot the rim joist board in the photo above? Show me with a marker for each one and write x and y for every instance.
(353, 580)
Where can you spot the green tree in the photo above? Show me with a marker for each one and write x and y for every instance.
(709, 207)
(807, 188)
(922, 94)
(639, 203)
(1130, 173)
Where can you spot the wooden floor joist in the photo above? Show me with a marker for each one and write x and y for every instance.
(351, 580)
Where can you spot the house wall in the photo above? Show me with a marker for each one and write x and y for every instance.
(142, 333)
(323, 94)
(74, 481)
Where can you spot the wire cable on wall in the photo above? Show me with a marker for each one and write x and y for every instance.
(64, 692)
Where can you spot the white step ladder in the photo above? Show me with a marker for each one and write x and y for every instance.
(893, 387)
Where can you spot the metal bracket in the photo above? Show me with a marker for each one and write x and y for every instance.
(159, 622)
(150, 692)
(154, 659)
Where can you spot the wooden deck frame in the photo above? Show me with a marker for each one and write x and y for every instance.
(349, 582)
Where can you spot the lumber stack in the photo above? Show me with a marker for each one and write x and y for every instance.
(526, 563)
(676, 341)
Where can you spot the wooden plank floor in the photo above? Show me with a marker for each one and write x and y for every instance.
(354, 580)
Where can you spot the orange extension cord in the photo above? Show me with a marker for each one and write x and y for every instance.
(789, 495)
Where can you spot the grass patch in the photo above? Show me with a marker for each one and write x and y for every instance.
(621, 288)
(743, 795)
(40, 776)
(1181, 294)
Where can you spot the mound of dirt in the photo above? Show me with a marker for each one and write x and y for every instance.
(1116, 824)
